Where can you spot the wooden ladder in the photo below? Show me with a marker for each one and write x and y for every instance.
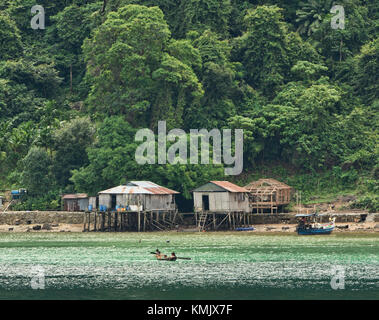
(202, 220)
(9, 204)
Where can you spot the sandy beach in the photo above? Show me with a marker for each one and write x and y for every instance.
(61, 227)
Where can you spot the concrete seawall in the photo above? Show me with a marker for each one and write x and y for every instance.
(40, 217)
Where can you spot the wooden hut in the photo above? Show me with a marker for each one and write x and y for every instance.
(220, 196)
(75, 202)
(138, 196)
(268, 195)
(137, 206)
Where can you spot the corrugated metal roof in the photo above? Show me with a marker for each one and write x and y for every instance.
(143, 184)
(125, 190)
(161, 190)
(75, 196)
(231, 187)
(139, 187)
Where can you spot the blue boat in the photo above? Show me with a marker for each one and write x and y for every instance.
(245, 229)
(308, 227)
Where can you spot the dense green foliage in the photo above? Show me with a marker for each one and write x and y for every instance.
(73, 96)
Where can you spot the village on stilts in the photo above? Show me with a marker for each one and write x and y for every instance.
(146, 206)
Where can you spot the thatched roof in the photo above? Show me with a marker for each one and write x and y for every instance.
(266, 185)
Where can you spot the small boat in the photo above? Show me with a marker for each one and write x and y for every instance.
(164, 257)
(245, 229)
(171, 258)
(308, 225)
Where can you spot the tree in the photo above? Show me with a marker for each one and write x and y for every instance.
(200, 15)
(365, 80)
(38, 77)
(11, 45)
(132, 71)
(36, 175)
(70, 27)
(70, 143)
(311, 15)
(263, 48)
(111, 159)
(217, 76)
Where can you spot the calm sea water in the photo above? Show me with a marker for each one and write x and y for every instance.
(223, 266)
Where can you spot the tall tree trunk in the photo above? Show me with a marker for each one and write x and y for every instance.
(104, 6)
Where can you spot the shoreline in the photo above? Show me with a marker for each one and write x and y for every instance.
(358, 227)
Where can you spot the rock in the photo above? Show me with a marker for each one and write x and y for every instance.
(17, 222)
(46, 226)
(29, 222)
(376, 226)
(37, 227)
(10, 229)
(55, 225)
(285, 228)
(61, 230)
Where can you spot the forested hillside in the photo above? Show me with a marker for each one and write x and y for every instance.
(73, 95)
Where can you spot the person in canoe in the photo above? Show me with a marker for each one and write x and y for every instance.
(158, 254)
(172, 257)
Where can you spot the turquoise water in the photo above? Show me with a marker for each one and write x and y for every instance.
(223, 266)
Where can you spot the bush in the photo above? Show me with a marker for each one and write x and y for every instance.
(49, 201)
(370, 203)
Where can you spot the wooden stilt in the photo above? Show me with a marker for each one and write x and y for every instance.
(144, 221)
(94, 223)
(89, 221)
(214, 221)
(84, 221)
(109, 221)
(116, 221)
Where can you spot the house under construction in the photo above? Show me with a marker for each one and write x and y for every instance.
(268, 195)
